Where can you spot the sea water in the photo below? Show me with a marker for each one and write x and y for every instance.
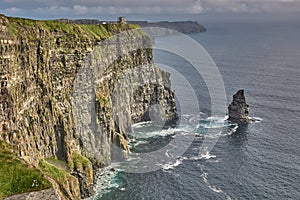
(258, 161)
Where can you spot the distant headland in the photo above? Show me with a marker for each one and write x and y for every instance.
(180, 26)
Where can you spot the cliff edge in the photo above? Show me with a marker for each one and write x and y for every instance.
(43, 115)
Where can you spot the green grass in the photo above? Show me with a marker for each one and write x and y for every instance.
(58, 163)
(97, 31)
(16, 176)
(103, 100)
(61, 176)
(18, 25)
(79, 161)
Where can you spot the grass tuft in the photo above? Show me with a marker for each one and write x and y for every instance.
(16, 176)
(60, 175)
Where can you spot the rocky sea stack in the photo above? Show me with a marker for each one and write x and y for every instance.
(238, 110)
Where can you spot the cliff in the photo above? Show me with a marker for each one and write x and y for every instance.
(180, 26)
(62, 116)
(185, 27)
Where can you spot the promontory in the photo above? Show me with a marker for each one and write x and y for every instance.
(69, 94)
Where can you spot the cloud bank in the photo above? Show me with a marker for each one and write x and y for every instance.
(65, 8)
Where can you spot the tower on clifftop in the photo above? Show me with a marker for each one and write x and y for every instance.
(122, 20)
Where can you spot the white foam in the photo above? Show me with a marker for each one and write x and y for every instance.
(170, 166)
(215, 189)
(217, 118)
(104, 180)
(160, 133)
(141, 124)
(255, 119)
(233, 130)
(213, 125)
(205, 156)
(167, 154)
(215, 122)
(133, 144)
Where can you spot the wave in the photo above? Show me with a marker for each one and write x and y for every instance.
(158, 132)
(179, 161)
(215, 189)
(170, 166)
(219, 132)
(191, 118)
(105, 181)
(255, 119)
(215, 122)
(205, 156)
(133, 143)
(217, 118)
(210, 127)
(146, 130)
(141, 124)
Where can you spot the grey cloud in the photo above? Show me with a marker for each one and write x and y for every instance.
(91, 7)
(251, 5)
(64, 8)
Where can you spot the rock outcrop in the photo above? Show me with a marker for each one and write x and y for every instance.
(238, 110)
(43, 194)
(44, 114)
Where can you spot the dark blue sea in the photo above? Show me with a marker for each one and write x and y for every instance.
(258, 161)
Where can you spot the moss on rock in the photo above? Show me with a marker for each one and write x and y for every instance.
(68, 184)
(16, 176)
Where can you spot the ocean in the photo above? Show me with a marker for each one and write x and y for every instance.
(258, 161)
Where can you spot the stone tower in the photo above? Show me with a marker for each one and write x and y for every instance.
(122, 20)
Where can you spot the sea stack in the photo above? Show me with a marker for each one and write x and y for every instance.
(239, 109)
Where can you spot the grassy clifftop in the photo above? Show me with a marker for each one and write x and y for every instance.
(92, 31)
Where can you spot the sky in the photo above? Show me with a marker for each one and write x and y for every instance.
(142, 9)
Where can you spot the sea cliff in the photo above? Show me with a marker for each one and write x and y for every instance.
(180, 26)
(43, 122)
(161, 28)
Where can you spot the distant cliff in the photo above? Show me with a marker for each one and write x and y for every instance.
(181, 26)
(43, 122)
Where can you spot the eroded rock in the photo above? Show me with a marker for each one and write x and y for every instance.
(4, 23)
(39, 64)
(43, 194)
(238, 110)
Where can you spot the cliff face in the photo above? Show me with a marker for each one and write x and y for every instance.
(181, 26)
(63, 115)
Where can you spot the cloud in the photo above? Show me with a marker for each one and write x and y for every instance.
(251, 5)
(85, 8)
(13, 10)
(112, 7)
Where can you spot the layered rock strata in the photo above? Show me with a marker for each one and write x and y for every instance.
(69, 95)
